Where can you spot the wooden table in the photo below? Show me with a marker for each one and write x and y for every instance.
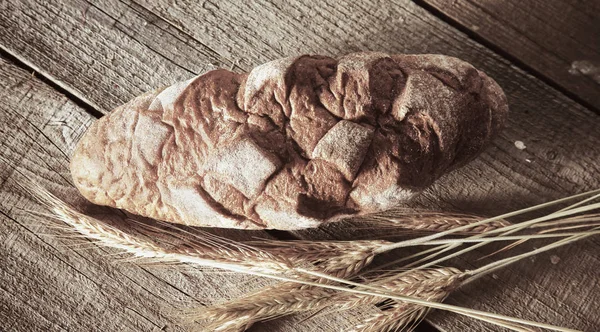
(65, 63)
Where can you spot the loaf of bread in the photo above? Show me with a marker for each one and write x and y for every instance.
(294, 143)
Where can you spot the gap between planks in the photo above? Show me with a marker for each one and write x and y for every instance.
(505, 54)
(57, 85)
(88, 105)
(93, 110)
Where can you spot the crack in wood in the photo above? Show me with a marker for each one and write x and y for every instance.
(49, 80)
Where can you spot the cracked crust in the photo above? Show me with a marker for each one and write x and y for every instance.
(292, 144)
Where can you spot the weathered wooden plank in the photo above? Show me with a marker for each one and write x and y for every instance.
(51, 284)
(561, 162)
(558, 39)
(125, 61)
(47, 283)
(551, 126)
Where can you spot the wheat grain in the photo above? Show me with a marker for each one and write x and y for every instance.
(207, 249)
(431, 221)
(337, 258)
(431, 285)
(287, 298)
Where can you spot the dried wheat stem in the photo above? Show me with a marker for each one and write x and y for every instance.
(457, 230)
(337, 258)
(582, 202)
(431, 285)
(268, 265)
(507, 231)
(475, 274)
(434, 286)
(413, 283)
(340, 259)
(224, 254)
(397, 318)
(378, 291)
(433, 221)
(287, 298)
(284, 299)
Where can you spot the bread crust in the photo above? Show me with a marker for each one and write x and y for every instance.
(294, 143)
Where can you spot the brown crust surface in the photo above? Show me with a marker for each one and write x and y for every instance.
(292, 144)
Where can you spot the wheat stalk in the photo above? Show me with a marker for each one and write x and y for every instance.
(413, 283)
(431, 285)
(430, 221)
(206, 250)
(339, 259)
(266, 264)
(262, 306)
(241, 313)
(401, 316)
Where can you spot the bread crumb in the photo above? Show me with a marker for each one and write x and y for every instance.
(520, 145)
(554, 259)
(587, 68)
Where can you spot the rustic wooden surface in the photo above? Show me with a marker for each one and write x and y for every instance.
(558, 39)
(102, 54)
(50, 283)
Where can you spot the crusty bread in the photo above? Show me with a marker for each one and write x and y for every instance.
(292, 144)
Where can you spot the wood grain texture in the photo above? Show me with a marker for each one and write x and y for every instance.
(558, 39)
(548, 168)
(108, 52)
(46, 285)
(50, 283)
(104, 56)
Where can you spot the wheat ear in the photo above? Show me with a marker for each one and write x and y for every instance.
(242, 313)
(431, 221)
(341, 259)
(206, 250)
(273, 269)
(431, 285)
(261, 306)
